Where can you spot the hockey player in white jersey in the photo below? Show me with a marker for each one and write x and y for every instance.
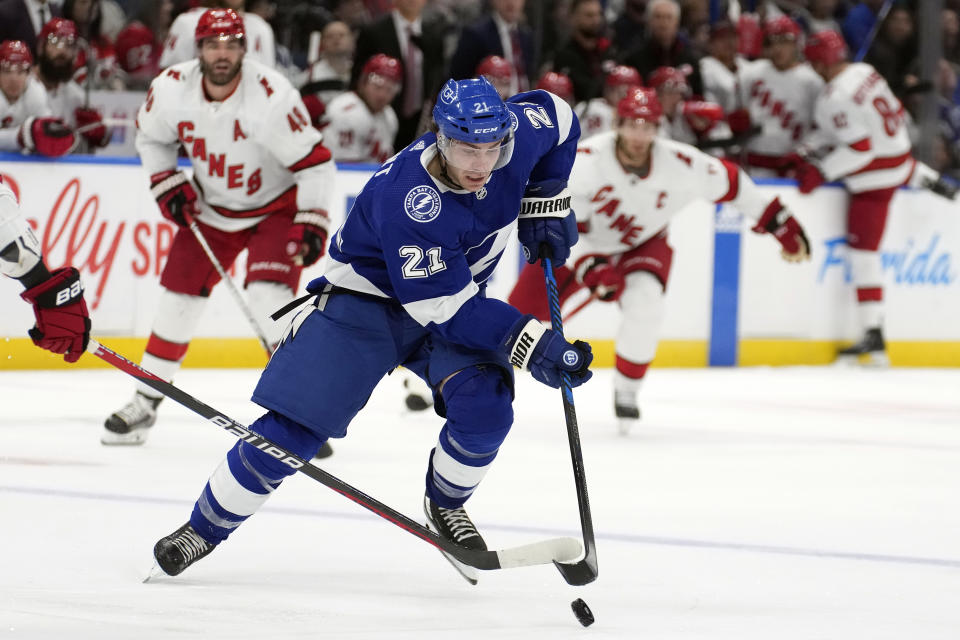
(626, 186)
(693, 122)
(179, 45)
(361, 124)
(62, 320)
(863, 142)
(777, 96)
(261, 182)
(57, 49)
(405, 285)
(26, 121)
(600, 114)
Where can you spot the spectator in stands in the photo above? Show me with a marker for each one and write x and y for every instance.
(23, 19)
(57, 49)
(501, 34)
(951, 36)
(403, 34)
(894, 50)
(630, 27)
(664, 46)
(586, 54)
(858, 23)
(26, 121)
(329, 76)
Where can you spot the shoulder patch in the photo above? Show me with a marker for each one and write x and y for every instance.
(422, 204)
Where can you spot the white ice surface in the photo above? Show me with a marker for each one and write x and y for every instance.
(774, 504)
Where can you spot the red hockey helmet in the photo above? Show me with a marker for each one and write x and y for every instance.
(827, 47)
(669, 79)
(219, 23)
(58, 30)
(640, 104)
(557, 83)
(135, 48)
(384, 67)
(782, 27)
(15, 54)
(495, 68)
(623, 76)
(750, 36)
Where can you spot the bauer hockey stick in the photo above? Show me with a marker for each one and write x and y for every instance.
(585, 570)
(231, 286)
(544, 552)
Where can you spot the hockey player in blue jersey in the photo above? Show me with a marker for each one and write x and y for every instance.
(405, 285)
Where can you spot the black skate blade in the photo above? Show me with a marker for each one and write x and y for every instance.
(470, 574)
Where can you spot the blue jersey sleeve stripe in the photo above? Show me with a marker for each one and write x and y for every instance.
(343, 275)
(439, 310)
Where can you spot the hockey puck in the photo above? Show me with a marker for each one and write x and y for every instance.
(582, 611)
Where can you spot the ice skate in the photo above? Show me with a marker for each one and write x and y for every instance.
(131, 424)
(626, 410)
(180, 549)
(870, 351)
(419, 396)
(455, 525)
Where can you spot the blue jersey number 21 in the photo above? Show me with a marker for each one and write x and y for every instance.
(414, 256)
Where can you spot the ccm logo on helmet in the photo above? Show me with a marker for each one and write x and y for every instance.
(488, 130)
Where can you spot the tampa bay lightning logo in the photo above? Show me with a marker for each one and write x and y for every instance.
(514, 123)
(571, 358)
(422, 203)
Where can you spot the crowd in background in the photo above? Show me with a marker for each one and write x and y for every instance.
(322, 45)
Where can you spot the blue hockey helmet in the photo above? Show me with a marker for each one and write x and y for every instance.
(472, 111)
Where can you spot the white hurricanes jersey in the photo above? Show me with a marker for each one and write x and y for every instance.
(720, 84)
(354, 134)
(252, 154)
(863, 124)
(180, 46)
(618, 210)
(33, 102)
(781, 103)
(678, 128)
(64, 101)
(596, 116)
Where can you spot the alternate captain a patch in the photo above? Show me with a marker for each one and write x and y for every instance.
(422, 203)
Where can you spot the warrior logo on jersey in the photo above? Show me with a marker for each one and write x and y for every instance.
(422, 204)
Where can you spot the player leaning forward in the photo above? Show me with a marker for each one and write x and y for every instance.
(261, 181)
(626, 186)
(405, 285)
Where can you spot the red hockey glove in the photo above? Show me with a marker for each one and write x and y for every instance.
(63, 323)
(778, 220)
(97, 134)
(604, 280)
(702, 116)
(739, 121)
(174, 195)
(808, 177)
(307, 238)
(47, 136)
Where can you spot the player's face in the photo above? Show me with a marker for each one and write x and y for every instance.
(470, 164)
(13, 82)
(378, 92)
(220, 59)
(669, 99)
(783, 52)
(634, 138)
